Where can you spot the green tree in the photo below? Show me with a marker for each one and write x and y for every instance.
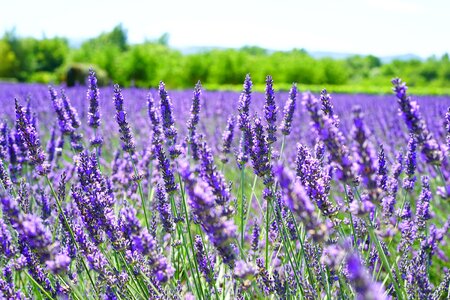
(8, 60)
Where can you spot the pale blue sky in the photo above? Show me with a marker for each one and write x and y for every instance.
(380, 27)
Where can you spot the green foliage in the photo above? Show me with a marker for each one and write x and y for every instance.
(145, 64)
(8, 59)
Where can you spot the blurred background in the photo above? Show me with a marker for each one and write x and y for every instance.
(348, 45)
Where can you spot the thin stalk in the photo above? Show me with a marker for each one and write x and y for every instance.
(138, 283)
(384, 259)
(39, 286)
(289, 250)
(282, 147)
(188, 227)
(350, 215)
(141, 194)
(242, 208)
(267, 230)
(180, 233)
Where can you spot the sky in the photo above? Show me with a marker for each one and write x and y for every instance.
(379, 27)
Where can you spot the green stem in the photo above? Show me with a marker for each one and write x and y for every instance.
(39, 286)
(141, 194)
(384, 259)
(350, 215)
(242, 208)
(267, 230)
(198, 288)
(188, 228)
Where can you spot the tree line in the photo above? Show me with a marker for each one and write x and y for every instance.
(45, 60)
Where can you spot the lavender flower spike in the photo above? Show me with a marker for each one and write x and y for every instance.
(30, 137)
(411, 163)
(127, 138)
(70, 110)
(365, 288)
(164, 210)
(64, 122)
(289, 110)
(227, 138)
(416, 124)
(244, 122)
(423, 204)
(270, 111)
(195, 110)
(244, 104)
(168, 122)
(221, 231)
(93, 97)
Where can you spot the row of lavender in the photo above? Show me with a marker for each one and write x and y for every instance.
(246, 196)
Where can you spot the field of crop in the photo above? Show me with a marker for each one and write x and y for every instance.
(157, 194)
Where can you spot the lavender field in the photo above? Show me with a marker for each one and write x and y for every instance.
(160, 194)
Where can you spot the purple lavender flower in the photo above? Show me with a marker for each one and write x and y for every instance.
(364, 152)
(255, 237)
(166, 170)
(289, 109)
(194, 117)
(128, 222)
(411, 163)
(121, 118)
(95, 202)
(314, 179)
(97, 261)
(397, 168)
(244, 104)
(382, 172)
(4, 177)
(64, 122)
(327, 106)
(144, 244)
(265, 282)
(6, 242)
(260, 152)
(423, 204)
(245, 146)
(244, 270)
(30, 138)
(332, 137)
(71, 112)
(296, 199)
(365, 288)
(156, 127)
(213, 177)
(168, 122)
(46, 205)
(227, 138)
(205, 262)
(221, 231)
(30, 229)
(59, 263)
(416, 124)
(363, 207)
(93, 96)
(270, 111)
(37, 272)
(244, 122)
(4, 132)
(165, 213)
